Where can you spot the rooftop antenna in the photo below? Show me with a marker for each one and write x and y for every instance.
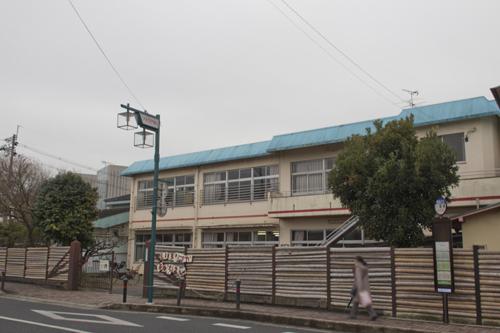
(411, 102)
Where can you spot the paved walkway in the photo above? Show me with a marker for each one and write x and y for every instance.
(103, 298)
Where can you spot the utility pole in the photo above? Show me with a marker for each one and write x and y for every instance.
(10, 149)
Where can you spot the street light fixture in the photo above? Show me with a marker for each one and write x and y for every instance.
(144, 139)
(126, 120)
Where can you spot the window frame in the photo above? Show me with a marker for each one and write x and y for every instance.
(244, 192)
(144, 194)
(442, 136)
(254, 241)
(144, 237)
(323, 171)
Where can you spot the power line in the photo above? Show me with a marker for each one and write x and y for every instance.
(38, 151)
(352, 61)
(105, 55)
(331, 56)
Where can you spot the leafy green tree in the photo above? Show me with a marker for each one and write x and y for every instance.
(391, 179)
(65, 208)
(12, 233)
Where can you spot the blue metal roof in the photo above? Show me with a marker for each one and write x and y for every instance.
(250, 150)
(424, 115)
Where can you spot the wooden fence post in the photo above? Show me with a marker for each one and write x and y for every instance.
(47, 265)
(25, 261)
(226, 271)
(477, 285)
(273, 274)
(393, 283)
(75, 253)
(328, 279)
(6, 259)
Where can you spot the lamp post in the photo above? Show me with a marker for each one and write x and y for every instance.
(150, 126)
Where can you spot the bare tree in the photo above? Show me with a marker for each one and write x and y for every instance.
(19, 185)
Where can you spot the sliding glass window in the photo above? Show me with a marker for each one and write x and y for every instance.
(175, 191)
(311, 176)
(240, 185)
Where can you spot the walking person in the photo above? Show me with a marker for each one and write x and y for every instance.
(361, 289)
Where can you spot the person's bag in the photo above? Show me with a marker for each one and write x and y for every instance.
(364, 298)
(353, 291)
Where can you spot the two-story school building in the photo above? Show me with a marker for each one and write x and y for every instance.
(276, 191)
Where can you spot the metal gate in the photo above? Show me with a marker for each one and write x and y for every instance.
(97, 272)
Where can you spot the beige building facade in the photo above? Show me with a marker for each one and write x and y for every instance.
(275, 192)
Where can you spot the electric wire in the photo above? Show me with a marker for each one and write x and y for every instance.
(120, 77)
(38, 151)
(331, 56)
(346, 56)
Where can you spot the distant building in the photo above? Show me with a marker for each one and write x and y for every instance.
(89, 178)
(109, 183)
(111, 228)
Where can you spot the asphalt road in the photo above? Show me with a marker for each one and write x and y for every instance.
(19, 316)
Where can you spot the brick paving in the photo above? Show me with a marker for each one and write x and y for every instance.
(102, 298)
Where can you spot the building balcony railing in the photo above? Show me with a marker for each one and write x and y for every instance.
(178, 199)
(477, 174)
(235, 192)
(304, 203)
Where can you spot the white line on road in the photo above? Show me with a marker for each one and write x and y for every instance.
(232, 326)
(85, 318)
(67, 329)
(173, 318)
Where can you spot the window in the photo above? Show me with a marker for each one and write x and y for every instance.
(307, 237)
(456, 142)
(144, 194)
(240, 185)
(179, 191)
(175, 191)
(242, 238)
(355, 237)
(140, 246)
(162, 238)
(311, 176)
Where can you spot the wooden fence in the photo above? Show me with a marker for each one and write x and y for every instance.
(48, 264)
(401, 280)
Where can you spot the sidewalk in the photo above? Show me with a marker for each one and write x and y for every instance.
(313, 318)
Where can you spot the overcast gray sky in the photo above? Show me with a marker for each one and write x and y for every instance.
(227, 72)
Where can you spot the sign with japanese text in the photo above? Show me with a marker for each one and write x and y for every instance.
(172, 263)
(443, 256)
(146, 120)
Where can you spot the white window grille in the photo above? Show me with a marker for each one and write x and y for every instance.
(179, 192)
(240, 185)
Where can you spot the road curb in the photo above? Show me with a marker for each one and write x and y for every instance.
(343, 326)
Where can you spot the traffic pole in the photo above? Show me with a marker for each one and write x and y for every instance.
(125, 283)
(238, 294)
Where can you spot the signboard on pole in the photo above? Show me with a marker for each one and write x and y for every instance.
(443, 256)
(146, 120)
